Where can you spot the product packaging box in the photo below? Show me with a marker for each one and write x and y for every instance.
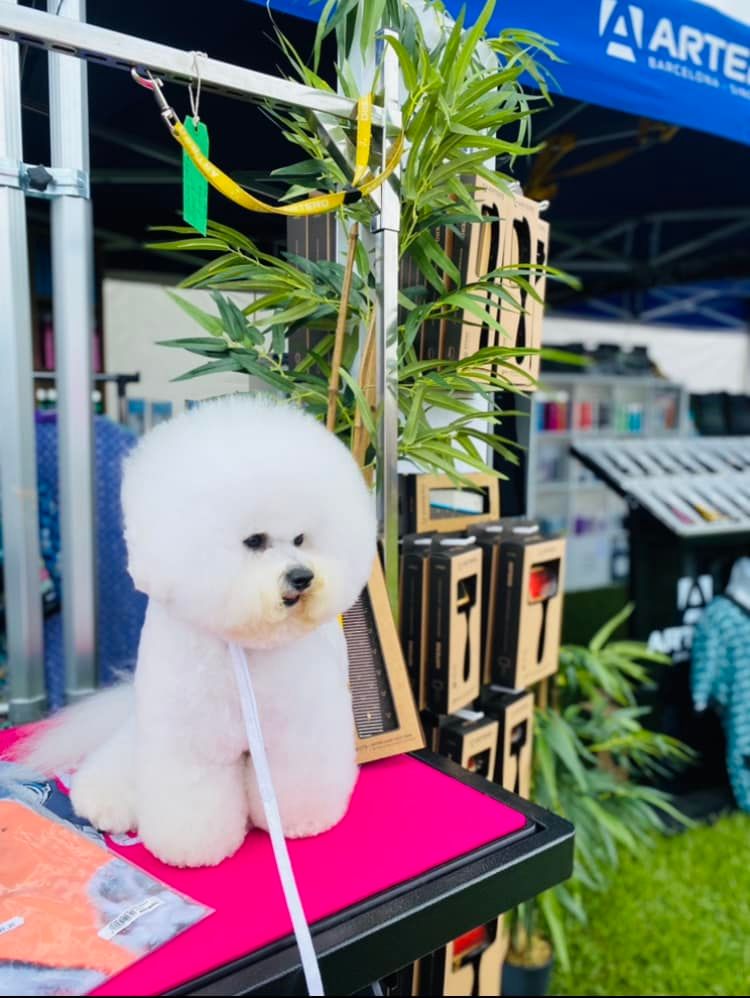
(489, 537)
(415, 590)
(432, 503)
(454, 654)
(470, 738)
(470, 965)
(514, 713)
(528, 607)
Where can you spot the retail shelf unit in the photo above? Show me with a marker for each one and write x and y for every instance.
(562, 492)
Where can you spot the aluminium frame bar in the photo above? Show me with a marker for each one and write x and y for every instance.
(73, 320)
(113, 48)
(20, 519)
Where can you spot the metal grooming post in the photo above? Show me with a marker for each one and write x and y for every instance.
(73, 303)
(386, 227)
(23, 603)
(69, 38)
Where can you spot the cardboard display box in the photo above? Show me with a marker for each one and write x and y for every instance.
(470, 965)
(471, 739)
(489, 537)
(454, 654)
(432, 503)
(527, 614)
(514, 713)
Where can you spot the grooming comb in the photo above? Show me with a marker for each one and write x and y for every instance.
(374, 711)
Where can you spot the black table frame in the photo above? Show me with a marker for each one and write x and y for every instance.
(378, 936)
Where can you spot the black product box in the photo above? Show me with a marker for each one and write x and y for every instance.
(415, 588)
(489, 537)
(527, 616)
(470, 739)
(514, 712)
(453, 658)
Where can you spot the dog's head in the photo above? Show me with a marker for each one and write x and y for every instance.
(246, 517)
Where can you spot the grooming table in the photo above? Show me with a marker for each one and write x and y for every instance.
(426, 852)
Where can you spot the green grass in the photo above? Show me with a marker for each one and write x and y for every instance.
(674, 922)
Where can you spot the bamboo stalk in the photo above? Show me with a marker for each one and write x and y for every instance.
(338, 343)
(360, 436)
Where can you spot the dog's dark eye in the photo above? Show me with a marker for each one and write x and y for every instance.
(256, 542)
(299, 540)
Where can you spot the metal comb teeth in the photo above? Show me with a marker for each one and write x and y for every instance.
(372, 702)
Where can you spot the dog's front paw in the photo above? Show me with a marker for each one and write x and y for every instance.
(190, 840)
(101, 800)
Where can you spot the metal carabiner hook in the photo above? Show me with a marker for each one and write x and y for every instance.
(155, 85)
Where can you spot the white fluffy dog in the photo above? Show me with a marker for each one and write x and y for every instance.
(248, 522)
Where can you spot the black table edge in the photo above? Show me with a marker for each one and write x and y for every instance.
(392, 929)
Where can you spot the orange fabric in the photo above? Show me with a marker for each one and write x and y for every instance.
(60, 926)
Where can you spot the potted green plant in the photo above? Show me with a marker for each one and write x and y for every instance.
(461, 120)
(593, 758)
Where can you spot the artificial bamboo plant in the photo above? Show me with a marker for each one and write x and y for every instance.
(465, 115)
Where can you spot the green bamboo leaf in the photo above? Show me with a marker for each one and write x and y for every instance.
(214, 367)
(209, 322)
(604, 633)
(200, 345)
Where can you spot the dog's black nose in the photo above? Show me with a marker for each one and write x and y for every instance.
(299, 578)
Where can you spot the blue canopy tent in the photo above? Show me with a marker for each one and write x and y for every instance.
(682, 61)
(677, 216)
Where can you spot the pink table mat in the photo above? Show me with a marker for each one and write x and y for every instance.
(405, 819)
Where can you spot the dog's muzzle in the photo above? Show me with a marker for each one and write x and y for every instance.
(298, 579)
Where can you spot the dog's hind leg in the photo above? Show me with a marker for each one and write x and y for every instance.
(102, 789)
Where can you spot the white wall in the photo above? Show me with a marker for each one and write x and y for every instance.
(703, 360)
(139, 313)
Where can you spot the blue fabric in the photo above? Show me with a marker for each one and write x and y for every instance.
(680, 61)
(720, 677)
(120, 608)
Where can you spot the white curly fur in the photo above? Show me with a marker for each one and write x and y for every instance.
(167, 754)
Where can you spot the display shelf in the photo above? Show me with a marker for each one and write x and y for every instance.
(562, 492)
(695, 488)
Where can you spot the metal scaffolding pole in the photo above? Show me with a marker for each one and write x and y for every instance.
(20, 523)
(73, 304)
(386, 227)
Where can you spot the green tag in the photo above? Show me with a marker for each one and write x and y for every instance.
(194, 185)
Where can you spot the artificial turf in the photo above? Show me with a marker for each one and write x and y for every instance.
(675, 921)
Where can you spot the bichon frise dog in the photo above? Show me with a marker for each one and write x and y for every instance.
(246, 521)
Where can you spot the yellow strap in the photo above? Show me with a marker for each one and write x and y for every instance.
(317, 205)
(364, 138)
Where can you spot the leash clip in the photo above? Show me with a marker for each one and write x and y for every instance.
(155, 85)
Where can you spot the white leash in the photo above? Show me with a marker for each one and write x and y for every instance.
(257, 748)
